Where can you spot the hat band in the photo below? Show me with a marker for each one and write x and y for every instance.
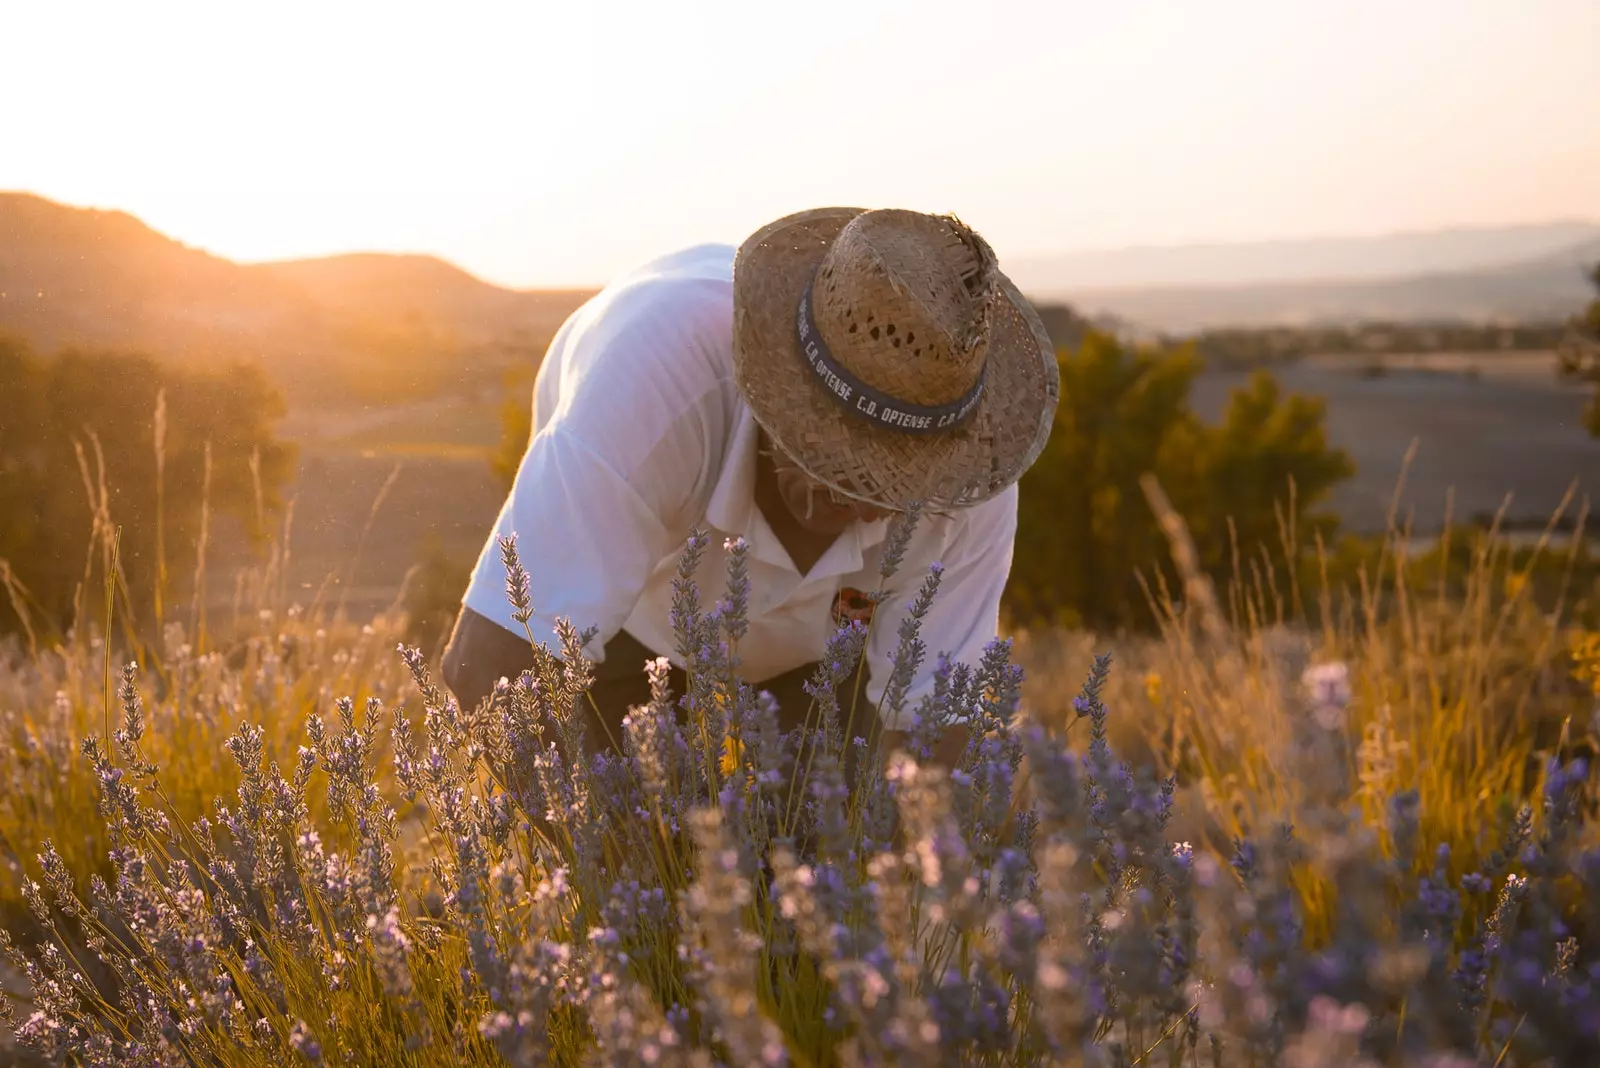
(874, 405)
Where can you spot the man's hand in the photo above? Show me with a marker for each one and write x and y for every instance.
(947, 753)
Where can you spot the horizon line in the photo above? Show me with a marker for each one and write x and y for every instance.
(397, 252)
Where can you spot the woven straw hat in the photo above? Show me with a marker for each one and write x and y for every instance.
(884, 352)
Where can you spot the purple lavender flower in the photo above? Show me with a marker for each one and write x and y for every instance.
(517, 582)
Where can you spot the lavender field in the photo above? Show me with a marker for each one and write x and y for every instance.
(1235, 844)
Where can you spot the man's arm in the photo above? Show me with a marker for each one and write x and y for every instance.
(946, 752)
(588, 539)
(603, 488)
(481, 652)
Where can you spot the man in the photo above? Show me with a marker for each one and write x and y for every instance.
(797, 391)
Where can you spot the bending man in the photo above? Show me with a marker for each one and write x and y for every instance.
(797, 391)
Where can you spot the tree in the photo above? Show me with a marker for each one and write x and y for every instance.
(1086, 534)
(79, 450)
(1083, 525)
(1579, 353)
(1242, 472)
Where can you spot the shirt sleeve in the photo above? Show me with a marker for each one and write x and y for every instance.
(601, 490)
(586, 537)
(965, 615)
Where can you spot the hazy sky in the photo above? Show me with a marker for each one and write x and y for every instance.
(539, 144)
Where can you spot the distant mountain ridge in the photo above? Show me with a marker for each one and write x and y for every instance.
(1483, 275)
(1376, 257)
(1546, 289)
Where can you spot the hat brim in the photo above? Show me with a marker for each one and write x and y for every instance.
(871, 463)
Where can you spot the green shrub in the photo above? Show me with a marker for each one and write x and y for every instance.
(1087, 541)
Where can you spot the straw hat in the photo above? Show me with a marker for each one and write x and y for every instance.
(884, 352)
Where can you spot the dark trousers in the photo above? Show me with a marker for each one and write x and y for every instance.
(481, 651)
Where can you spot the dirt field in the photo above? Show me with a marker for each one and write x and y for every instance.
(1514, 428)
(1511, 429)
(400, 475)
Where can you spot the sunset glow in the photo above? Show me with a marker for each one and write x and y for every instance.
(540, 143)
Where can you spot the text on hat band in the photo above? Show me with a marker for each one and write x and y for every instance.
(871, 404)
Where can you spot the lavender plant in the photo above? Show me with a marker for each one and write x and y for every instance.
(428, 884)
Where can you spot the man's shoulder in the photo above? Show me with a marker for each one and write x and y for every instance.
(708, 260)
(672, 315)
(686, 282)
(999, 509)
(655, 343)
(987, 524)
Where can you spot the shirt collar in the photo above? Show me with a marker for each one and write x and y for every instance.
(732, 508)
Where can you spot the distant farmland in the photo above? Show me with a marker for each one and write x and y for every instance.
(1512, 428)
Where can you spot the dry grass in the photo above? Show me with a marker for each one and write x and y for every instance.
(1464, 697)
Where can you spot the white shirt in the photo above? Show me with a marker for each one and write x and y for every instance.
(640, 434)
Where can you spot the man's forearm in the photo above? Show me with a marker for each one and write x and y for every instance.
(480, 653)
(946, 752)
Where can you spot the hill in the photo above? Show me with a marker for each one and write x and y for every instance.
(78, 276)
(428, 292)
(368, 327)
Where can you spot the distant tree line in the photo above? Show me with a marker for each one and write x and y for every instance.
(113, 463)
(1242, 348)
(1580, 352)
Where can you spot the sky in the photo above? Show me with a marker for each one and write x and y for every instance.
(539, 144)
